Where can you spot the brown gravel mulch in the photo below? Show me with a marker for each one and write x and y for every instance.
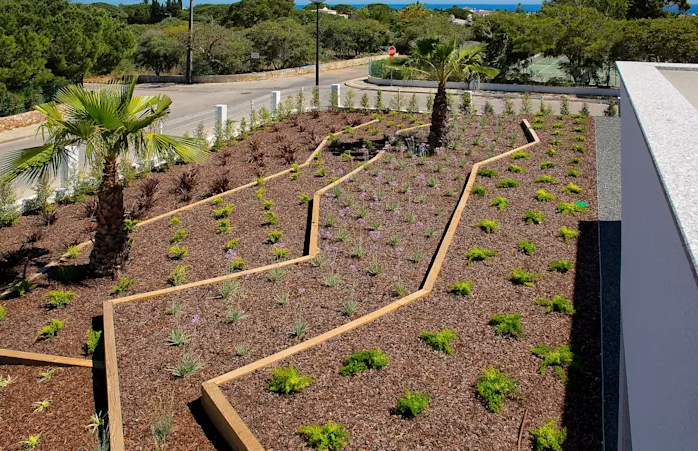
(143, 327)
(63, 425)
(457, 418)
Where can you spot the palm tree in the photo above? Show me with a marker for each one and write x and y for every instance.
(440, 60)
(108, 122)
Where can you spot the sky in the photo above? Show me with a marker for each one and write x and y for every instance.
(349, 2)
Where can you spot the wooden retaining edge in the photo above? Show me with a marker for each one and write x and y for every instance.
(10, 357)
(218, 407)
(307, 162)
(116, 428)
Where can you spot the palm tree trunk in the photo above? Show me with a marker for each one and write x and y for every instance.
(109, 251)
(439, 118)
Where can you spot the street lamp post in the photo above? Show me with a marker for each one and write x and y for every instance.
(317, 40)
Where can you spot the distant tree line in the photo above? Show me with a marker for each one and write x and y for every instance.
(48, 43)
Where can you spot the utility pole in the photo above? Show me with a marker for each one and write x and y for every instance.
(190, 43)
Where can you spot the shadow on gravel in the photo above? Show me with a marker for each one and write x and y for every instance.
(200, 416)
(582, 415)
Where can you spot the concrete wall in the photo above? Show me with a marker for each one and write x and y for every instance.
(659, 308)
(259, 75)
(500, 87)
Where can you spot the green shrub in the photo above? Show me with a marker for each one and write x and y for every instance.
(3, 312)
(363, 361)
(59, 299)
(328, 437)
(217, 201)
(286, 380)
(568, 234)
(130, 224)
(507, 183)
(570, 208)
(72, 252)
(475, 254)
(527, 247)
(575, 160)
(556, 142)
(259, 194)
(270, 218)
(178, 275)
(178, 236)
(551, 152)
(488, 225)
(516, 169)
(412, 404)
(533, 217)
(579, 139)
(375, 268)
(231, 244)
(547, 165)
(559, 303)
(123, 286)
(560, 266)
(546, 179)
(50, 330)
(276, 274)
(10, 212)
(92, 341)
(223, 227)
(500, 202)
(236, 264)
(572, 172)
(267, 204)
(548, 437)
(461, 288)
(494, 386)
(507, 325)
(304, 198)
(578, 148)
(558, 358)
(440, 341)
(485, 172)
(520, 277)
(279, 253)
(520, 155)
(188, 364)
(224, 212)
(178, 252)
(275, 236)
(571, 188)
(544, 196)
(479, 190)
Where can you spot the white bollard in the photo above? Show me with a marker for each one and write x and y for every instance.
(221, 112)
(275, 101)
(336, 89)
(70, 166)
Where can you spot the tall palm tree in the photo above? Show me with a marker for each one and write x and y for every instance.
(441, 59)
(109, 122)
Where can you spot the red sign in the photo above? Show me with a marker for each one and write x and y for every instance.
(391, 50)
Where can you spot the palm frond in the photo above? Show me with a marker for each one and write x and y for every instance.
(190, 150)
(35, 163)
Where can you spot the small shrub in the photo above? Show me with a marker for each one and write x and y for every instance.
(304, 198)
(178, 337)
(178, 275)
(479, 190)
(568, 234)
(440, 341)
(221, 213)
(544, 196)
(50, 330)
(475, 254)
(59, 299)
(494, 386)
(259, 181)
(375, 268)
(461, 288)
(578, 148)
(570, 208)
(175, 222)
(547, 164)
(571, 188)
(130, 224)
(318, 261)
(178, 252)
(507, 183)
(579, 139)
(223, 227)
(270, 218)
(328, 437)
(3, 312)
(488, 225)
(231, 244)
(230, 289)
(279, 252)
(363, 361)
(394, 240)
(286, 380)
(556, 142)
(92, 341)
(72, 252)
(123, 286)
(516, 169)
(331, 280)
(558, 358)
(188, 365)
(520, 277)
(500, 202)
(558, 303)
(217, 201)
(485, 172)
(507, 325)
(533, 217)
(551, 152)
(275, 236)
(520, 155)
(412, 404)
(548, 437)
(178, 236)
(560, 266)
(417, 256)
(276, 274)
(298, 328)
(235, 315)
(572, 172)
(527, 247)
(546, 179)
(349, 307)
(236, 264)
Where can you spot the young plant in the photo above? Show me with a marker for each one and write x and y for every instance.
(223, 227)
(475, 254)
(560, 266)
(572, 172)
(507, 325)
(494, 386)
(440, 341)
(488, 225)
(178, 252)
(375, 268)
(92, 341)
(571, 188)
(235, 315)
(299, 328)
(60, 299)
(286, 380)
(45, 376)
(72, 252)
(568, 234)
(520, 277)
(533, 217)
(31, 442)
(162, 429)
(570, 208)
(486, 172)
(527, 247)
(178, 275)
(361, 361)
(479, 190)
(331, 280)
(270, 218)
(546, 179)
(174, 309)
(547, 165)
(50, 330)
(3, 312)
(304, 198)
(349, 307)
(578, 148)
(500, 202)
(275, 236)
(41, 406)
(558, 358)
(188, 365)
(558, 303)
(548, 437)
(544, 196)
(224, 212)
(236, 264)
(520, 155)
(6, 381)
(461, 288)
(178, 236)
(412, 404)
(175, 222)
(177, 337)
(394, 240)
(276, 274)
(516, 169)
(507, 183)
(231, 244)
(327, 437)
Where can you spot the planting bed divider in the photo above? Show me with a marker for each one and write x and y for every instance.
(456, 417)
(59, 424)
